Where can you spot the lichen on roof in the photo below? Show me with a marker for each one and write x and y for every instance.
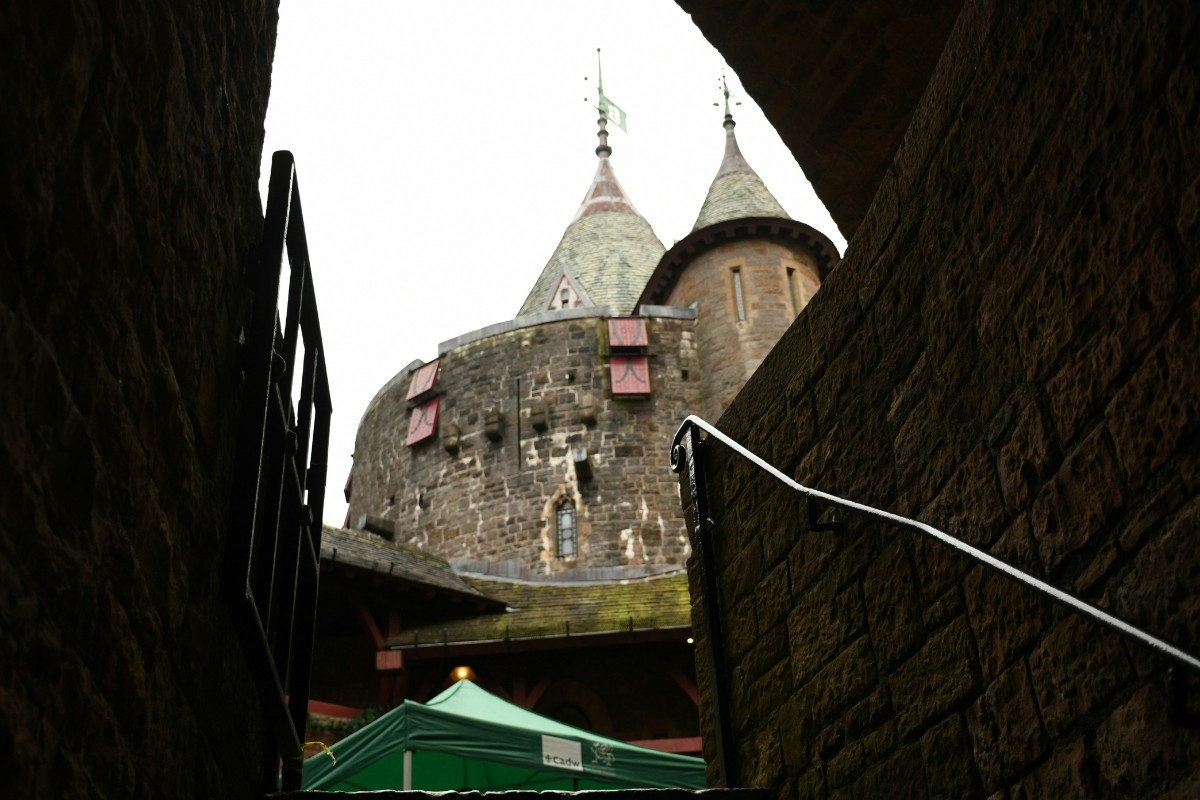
(542, 610)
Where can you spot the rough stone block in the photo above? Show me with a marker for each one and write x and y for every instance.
(793, 722)
(1077, 669)
(1026, 459)
(740, 627)
(1138, 747)
(738, 580)
(1067, 773)
(770, 649)
(846, 679)
(900, 776)
(893, 605)
(823, 622)
(1078, 502)
(1158, 591)
(773, 597)
(1006, 616)
(937, 677)
(1134, 310)
(950, 770)
(1006, 728)
(1148, 423)
(846, 766)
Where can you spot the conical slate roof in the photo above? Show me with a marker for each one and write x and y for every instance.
(608, 249)
(737, 192)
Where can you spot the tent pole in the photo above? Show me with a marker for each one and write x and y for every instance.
(408, 770)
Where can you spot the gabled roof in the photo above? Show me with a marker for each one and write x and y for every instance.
(608, 248)
(736, 192)
(544, 611)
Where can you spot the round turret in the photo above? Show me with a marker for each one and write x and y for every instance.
(749, 270)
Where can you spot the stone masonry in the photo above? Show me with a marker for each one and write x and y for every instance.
(776, 280)
(495, 501)
(132, 136)
(1008, 352)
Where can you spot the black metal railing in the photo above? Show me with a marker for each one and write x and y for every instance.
(687, 450)
(274, 535)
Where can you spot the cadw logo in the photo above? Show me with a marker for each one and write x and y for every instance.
(562, 753)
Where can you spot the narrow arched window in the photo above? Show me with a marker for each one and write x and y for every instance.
(738, 298)
(567, 535)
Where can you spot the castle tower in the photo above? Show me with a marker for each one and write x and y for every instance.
(748, 268)
(523, 449)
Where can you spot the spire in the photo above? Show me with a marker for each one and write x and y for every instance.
(609, 112)
(736, 192)
(609, 250)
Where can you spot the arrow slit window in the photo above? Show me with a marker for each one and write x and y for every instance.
(567, 533)
(738, 297)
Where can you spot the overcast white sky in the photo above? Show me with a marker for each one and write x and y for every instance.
(442, 149)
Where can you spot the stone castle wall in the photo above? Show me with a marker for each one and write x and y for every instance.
(1008, 351)
(729, 348)
(495, 501)
(131, 144)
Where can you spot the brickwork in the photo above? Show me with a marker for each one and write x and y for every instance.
(1009, 352)
(776, 281)
(132, 140)
(495, 501)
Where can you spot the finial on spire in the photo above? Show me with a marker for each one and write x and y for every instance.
(729, 123)
(599, 78)
(602, 150)
(609, 111)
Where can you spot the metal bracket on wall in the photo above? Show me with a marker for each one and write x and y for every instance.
(684, 449)
(815, 509)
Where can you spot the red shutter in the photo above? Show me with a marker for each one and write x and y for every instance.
(424, 379)
(630, 375)
(628, 332)
(422, 422)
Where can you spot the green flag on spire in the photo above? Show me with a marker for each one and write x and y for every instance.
(608, 109)
(613, 112)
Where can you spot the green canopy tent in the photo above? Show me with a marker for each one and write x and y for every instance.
(467, 738)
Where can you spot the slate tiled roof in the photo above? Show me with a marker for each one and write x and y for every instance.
(541, 610)
(737, 192)
(608, 249)
(376, 554)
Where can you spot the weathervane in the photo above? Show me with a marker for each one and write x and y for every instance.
(609, 111)
(725, 91)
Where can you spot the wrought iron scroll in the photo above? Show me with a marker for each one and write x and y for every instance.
(273, 549)
(686, 450)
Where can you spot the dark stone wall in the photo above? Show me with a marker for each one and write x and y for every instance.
(1008, 351)
(131, 139)
(495, 501)
(839, 79)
